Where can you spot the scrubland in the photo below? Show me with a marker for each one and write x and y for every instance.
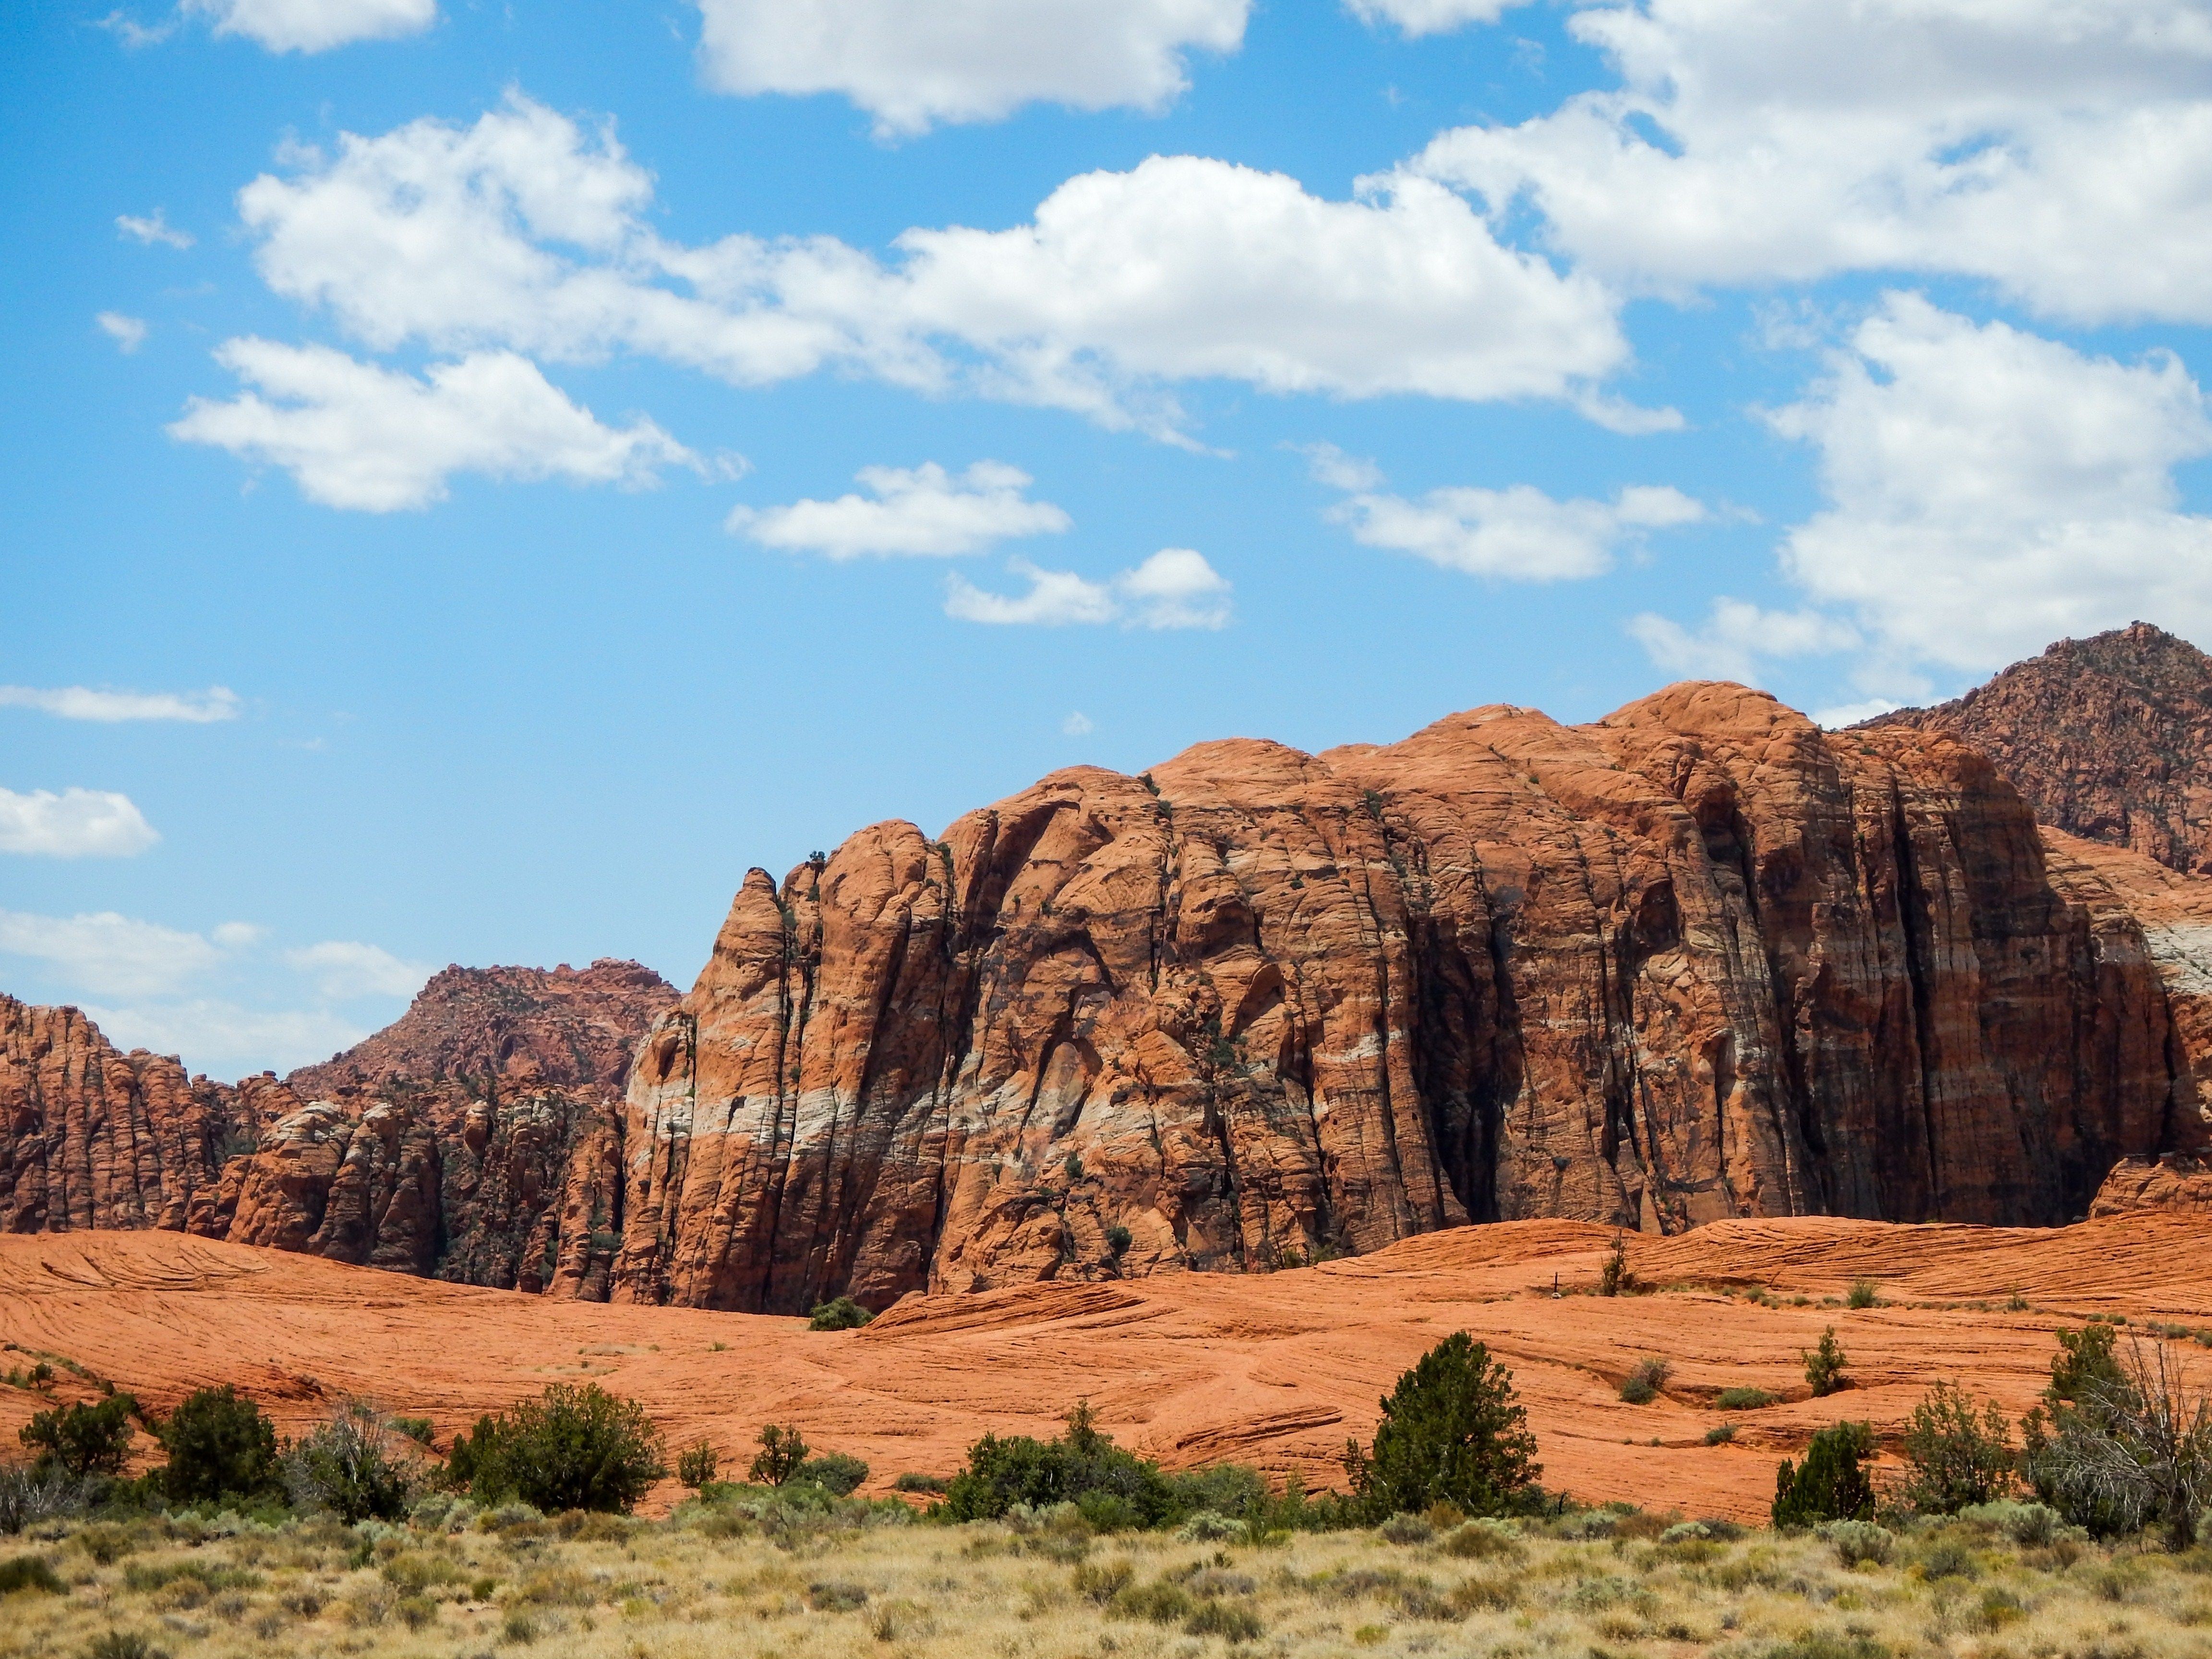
(749, 1577)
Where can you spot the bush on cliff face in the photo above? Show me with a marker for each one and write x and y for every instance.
(2132, 1447)
(220, 1445)
(1452, 1432)
(572, 1447)
(83, 1440)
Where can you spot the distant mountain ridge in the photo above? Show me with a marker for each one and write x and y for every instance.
(2109, 739)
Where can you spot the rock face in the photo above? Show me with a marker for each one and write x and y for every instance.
(2109, 738)
(477, 1140)
(1698, 960)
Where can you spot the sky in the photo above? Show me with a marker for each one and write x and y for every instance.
(481, 476)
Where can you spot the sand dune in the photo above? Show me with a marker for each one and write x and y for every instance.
(1275, 1369)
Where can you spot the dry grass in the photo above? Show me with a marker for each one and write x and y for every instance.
(682, 1590)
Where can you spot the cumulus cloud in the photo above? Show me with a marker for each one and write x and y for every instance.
(1735, 638)
(354, 435)
(129, 333)
(75, 824)
(1175, 588)
(2023, 143)
(109, 954)
(1518, 533)
(1077, 725)
(527, 233)
(223, 1038)
(312, 26)
(1413, 18)
(1990, 490)
(80, 702)
(914, 66)
(919, 510)
(344, 968)
(156, 230)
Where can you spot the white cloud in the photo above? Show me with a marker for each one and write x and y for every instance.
(223, 1038)
(1077, 725)
(74, 824)
(1518, 533)
(312, 26)
(524, 231)
(107, 953)
(1850, 713)
(913, 65)
(1734, 638)
(2062, 149)
(238, 935)
(1414, 18)
(1330, 465)
(1990, 490)
(80, 702)
(156, 230)
(919, 510)
(129, 333)
(1175, 588)
(346, 968)
(354, 435)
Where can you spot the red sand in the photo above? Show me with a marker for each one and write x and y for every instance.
(1275, 1369)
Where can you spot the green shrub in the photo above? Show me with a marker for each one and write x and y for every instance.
(30, 1572)
(347, 1467)
(1102, 1581)
(1118, 1240)
(417, 1429)
(1160, 1602)
(1453, 1431)
(1223, 1619)
(1824, 1366)
(1864, 1293)
(123, 1644)
(782, 1449)
(912, 1481)
(1954, 1457)
(1643, 1385)
(1827, 1644)
(835, 1595)
(1829, 1485)
(842, 1314)
(1720, 1434)
(1614, 1278)
(82, 1440)
(2034, 1525)
(1484, 1539)
(1083, 1465)
(838, 1473)
(220, 1445)
(1743, 1400)
(699, 1464)
(1857, 1542)
(574, 1447)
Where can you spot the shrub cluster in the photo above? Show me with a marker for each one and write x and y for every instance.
(574, 1447)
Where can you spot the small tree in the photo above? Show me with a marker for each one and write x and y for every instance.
(1824, 1366)
(1829, 1485)
(1614, 1278)
(2086, 1386)
(1452, 1431)
(2135, 1452)
(699, 1464)
(81, 1440)
(782, 1449)
(837, 1472)
(220, 1445)
(572, 1447)
(348, 1467)
(842, 1314)
(1954, 1457)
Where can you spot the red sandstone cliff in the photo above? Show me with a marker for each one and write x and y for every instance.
(1698, 960)
(2109, 739)
(477, 1139)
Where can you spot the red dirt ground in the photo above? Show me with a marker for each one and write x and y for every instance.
(1275, 1369)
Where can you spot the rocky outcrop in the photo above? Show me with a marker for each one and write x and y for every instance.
(477, 1140)
(2109, 739)
(558, 1026)
(1698, 960)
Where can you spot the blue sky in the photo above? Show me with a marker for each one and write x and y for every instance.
(482, 475)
